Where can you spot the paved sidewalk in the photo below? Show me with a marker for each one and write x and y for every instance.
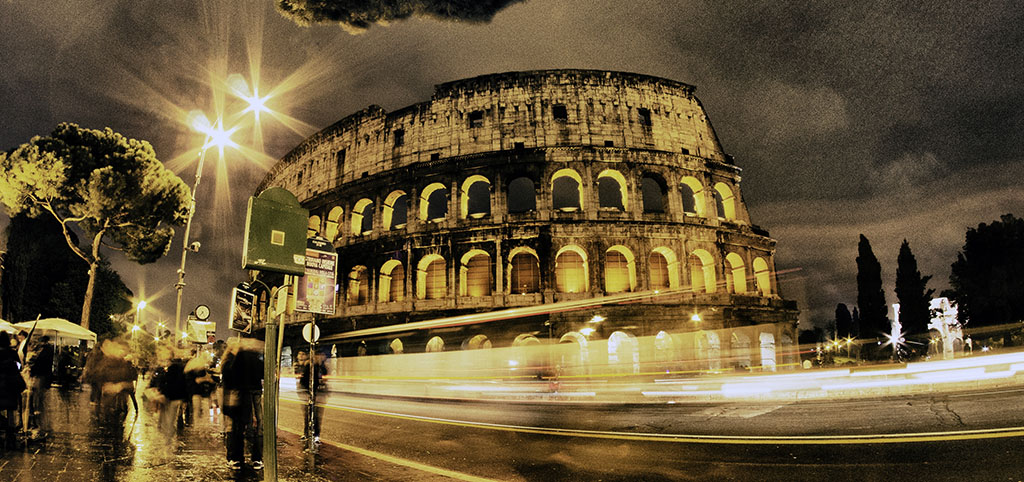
(77, 449)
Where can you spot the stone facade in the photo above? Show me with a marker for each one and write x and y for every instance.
(525, 188)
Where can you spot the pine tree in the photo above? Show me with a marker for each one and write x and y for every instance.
(870, 297)
(912, 292)
(855, 322)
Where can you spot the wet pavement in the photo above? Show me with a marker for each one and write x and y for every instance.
(78, 448)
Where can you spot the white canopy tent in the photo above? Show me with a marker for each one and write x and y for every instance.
(63, 332)
(9, 328)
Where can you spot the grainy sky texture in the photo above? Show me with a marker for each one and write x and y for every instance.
(892, 119)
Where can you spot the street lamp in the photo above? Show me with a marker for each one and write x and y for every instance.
(215, 136)
(138, 311)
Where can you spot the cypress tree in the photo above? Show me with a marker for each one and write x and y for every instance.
(844, 322)
(912, 292)
(870, 297)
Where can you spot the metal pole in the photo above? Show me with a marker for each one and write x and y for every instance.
(311, 423)
(180, 285)
(269, 404)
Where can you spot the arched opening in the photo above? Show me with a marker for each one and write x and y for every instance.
(435, 345)
(790, 357)
(358, 286)
(767, 352)
(431, 278)
(611, 190)
(391, 286)
(525, 339)
(664, 348)
(396, 347)
(735, 274)
(396, 210)
(653, 191)
(709, 350)
(739, 350)
(762, 277)
(475, 199)
(475, 274)
(619, 270)
(434, 203)
(567, 191)
(571, 270)
(476, 342)
(313, 228)
(524, 271)
(522, 195)
(725, 202)
(362, 217)
(333, 221)
(572, 350)
(693, 196)
(623, 352)
(702, 272)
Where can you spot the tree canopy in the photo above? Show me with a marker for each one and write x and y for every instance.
(111, 188)
(912, 293)
(987, 279)
(359, 15)
(870, 297)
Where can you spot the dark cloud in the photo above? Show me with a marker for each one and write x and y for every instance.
(356, 15)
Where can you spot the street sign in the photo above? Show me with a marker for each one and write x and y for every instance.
(275, 232)
(315, 293)
(243, 310)
(311, 333)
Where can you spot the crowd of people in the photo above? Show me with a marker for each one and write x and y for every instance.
(179, 382)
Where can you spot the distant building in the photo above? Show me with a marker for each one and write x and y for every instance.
(529, 188)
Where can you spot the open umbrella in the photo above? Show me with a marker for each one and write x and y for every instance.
(9, 328)
(63, 331)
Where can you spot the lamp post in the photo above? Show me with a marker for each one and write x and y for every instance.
(215, 136)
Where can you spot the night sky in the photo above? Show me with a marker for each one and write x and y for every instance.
(889, 119)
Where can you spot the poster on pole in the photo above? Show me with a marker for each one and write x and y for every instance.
(315, 293)
(243, 310)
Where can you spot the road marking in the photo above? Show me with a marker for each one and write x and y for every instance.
(1011, 390)
(394, 460)
(710, 439)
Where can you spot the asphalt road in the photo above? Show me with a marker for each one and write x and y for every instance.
(950, 436)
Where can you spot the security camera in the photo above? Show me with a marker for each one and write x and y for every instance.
(194, 247)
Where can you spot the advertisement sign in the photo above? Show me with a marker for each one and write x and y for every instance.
(315, 293)
(243, 310)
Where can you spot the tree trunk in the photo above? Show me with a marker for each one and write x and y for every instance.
(94, 265)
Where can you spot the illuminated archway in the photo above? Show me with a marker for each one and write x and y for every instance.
(693, 196)
(728, 201)
(523, 271)
(525, 339)
(476, 342)
(358, 286)
(475, 274)
(664, 348)
(567, 190)
(624, 351)
(433, 202)
(611, 186)
(475, 198)
(762, 277)
(709, 350)
(664, 268)
(391, 286)
(431, 279)
(653, 193)
(522, 195)
(767, 351)
(619, 270)
(571, 274)
(396, 210)
(735, 274)
(702, 271)
(333, 222)
(396, 347)
(739, 350)
(435, 345)
(313, 228)
(362, 217)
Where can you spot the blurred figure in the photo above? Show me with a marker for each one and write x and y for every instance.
(11, 386)
(114, 375)
(169, 387)
(40, 367)
(242, 381)
(311, 374)
(199, 383)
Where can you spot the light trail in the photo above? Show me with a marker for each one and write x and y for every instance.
(914, 437)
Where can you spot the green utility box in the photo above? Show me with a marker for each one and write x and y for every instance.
(275, 233)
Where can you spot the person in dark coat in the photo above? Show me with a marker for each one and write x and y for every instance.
(40, 374)
(115, 377)
(11, 386)
(242, 381)
(172, 387)
(316, 368)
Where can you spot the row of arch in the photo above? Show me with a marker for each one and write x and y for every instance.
(707, 348)
(475, 274)
(567, 195)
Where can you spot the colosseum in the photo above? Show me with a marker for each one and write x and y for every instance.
(539, 189)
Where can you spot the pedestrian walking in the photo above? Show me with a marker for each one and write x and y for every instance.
(40, 374)
(115, 377)
(311, 371)
(171, 388)
(242, 382)
(11, 386)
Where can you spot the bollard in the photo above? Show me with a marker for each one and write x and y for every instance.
(270, 386)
